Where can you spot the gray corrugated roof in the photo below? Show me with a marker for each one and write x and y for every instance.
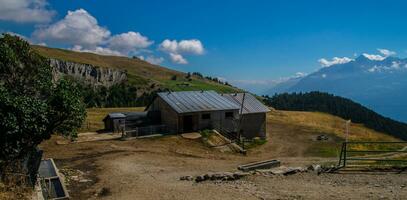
(196, 101)
(116, 115)
(251, 104)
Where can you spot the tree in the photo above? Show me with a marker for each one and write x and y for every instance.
(32, 106)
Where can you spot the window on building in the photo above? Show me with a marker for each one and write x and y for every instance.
(228, 115)
(206, 116)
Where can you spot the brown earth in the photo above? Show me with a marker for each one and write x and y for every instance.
(151, 168)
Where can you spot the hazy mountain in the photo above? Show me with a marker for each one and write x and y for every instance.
(378, 84)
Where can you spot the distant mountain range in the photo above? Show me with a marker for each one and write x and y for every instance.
(378, 84)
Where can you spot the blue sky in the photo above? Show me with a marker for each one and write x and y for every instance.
(249, 43)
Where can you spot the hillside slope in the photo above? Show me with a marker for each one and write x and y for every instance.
(140, 74)
(294, 133)
(338, 106)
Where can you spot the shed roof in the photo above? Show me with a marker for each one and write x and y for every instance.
(116, 115)
(251, 104)
(197, 101)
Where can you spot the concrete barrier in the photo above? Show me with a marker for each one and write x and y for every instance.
(267, 164)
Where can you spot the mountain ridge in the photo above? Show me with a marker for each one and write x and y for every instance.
(377, 84)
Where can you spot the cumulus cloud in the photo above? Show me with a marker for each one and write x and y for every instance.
(178, 58)
(152, 59)
(24, 11)
(184, 46)
(377, 57)
(77, 28)
(176, 50)
(97, 50)
(336, 60)
(129, 42)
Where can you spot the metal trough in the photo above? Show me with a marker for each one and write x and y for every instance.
(52, 185)
(267, 164)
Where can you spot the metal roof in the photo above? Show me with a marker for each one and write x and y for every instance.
(116, 115)
(197, 101)
(251, 104)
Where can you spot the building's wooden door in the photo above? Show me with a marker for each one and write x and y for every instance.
(188, 123)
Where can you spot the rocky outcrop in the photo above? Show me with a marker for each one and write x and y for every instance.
(96, 76)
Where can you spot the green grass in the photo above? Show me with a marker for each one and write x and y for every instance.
(206, 133)
(254, 143)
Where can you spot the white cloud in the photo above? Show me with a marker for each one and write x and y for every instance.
(24, 11)
(177, 50)
(178, 58)
(336, 60)
(77, 28)
(129, 42)
(152, 59)
(385, 53)
(184, 46)
(323, 75)
(97, 50)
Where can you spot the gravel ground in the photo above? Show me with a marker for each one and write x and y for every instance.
(151, 168)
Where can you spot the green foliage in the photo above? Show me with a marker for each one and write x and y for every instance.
(119, 95)
(67, 110)
(254, 143)
(32, 107)
(342, 107)
(206, 133)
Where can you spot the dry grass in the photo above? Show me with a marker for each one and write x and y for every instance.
(297, 131)
(330, 124)
(140, 73)
(14, 192)
(94, 117)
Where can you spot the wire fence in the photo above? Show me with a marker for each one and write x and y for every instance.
(373, 154)
(144, 131)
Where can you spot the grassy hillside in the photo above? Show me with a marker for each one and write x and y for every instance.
(295, 133)
(338, 106)
(140, 73)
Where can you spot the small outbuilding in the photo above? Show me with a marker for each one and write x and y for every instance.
(114, 122)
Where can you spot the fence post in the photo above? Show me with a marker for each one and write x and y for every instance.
(345, 154)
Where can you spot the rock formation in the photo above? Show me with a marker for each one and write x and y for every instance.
(93, 75)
